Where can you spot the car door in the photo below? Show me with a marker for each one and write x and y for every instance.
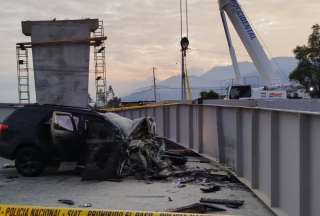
(104, 149)
(65, 136)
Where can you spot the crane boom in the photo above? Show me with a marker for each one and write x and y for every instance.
(249, 39)
(231, 49)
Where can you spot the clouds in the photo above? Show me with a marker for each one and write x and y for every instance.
(145, 33)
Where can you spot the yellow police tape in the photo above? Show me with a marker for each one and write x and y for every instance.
(16, 210)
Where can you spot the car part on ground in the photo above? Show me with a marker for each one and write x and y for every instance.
(198, 208)
(229, 203)
(211, 189)
(66, 201)
(85, 205)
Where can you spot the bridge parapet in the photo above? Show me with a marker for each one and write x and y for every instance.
(275, 152)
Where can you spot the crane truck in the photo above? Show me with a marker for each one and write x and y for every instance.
(274, 86)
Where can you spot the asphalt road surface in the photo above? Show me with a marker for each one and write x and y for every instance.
(130, 194)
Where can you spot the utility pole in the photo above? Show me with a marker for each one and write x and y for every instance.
(154, 84)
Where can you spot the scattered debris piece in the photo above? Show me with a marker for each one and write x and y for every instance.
(85, 205)
(182, 152)
(229, 203)
(66, 201)
(170, 199)
(180, 185)
(203, 160)
(148, 181)
(146, 196)
(8, 166)
(186, 180)
(12, 177)
(198, 208)
(113, 180)
(211, 189)
(177, 160)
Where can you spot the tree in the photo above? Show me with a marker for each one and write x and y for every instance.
(114, 102)
(307, 73)
(209, 95)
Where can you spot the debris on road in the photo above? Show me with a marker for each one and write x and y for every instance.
(85, 205)
(186, 180)
(12, 177)
(66, 201)
(146, 196)
(175, 159)
(137, 151)
(228, 203)
(180, 185)
(170, 199)
(211, 189)
(198, 208)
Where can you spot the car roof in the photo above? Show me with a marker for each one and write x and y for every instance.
(61, 108)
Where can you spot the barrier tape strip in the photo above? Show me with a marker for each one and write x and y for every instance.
(21, 210)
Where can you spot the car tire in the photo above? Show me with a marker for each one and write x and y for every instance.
(29, 162)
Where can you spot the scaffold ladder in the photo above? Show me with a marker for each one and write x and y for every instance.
(100, 67)
(23, 75)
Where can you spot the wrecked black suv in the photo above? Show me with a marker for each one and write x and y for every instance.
(37, 136)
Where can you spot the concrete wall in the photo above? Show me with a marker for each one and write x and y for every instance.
(61, 71)
(275, 152)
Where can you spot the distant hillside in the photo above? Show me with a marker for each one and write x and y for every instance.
(218, 78)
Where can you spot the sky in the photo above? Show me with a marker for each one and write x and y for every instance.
(145, 33)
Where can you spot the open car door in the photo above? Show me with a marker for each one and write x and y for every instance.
(64, 135)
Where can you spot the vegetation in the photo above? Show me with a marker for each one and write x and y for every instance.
(206, 95)
(307, 72)
(114, 102)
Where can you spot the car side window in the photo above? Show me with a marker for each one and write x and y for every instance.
(63, 122)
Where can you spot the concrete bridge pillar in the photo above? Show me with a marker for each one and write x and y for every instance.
(61, 70)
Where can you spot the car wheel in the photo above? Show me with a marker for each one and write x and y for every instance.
(29, 162)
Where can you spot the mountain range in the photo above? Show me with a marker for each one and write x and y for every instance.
(217, 78)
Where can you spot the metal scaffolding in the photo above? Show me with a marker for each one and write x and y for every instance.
(23, 68)
(23, 74)
(97, 41)
(100, 67)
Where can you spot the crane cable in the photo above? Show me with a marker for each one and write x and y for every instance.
(186, 81)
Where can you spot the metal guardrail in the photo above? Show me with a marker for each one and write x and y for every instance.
(275, 152)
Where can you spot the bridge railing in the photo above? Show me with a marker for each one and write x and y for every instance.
(275, 152)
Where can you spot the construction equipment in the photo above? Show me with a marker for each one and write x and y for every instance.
(23, 74)
(270, 78)
(100, 67)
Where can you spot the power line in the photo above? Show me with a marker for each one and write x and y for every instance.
(187, 19)
(181, 25)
